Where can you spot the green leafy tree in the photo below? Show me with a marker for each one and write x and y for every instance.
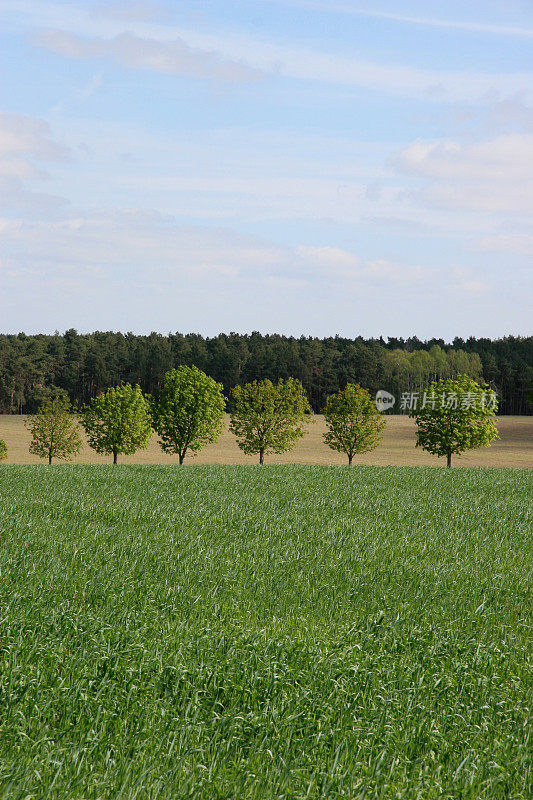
(3, 450)
(353, 421)
(188, 412)
(269, 418)
(117, 421)
(54, 430)
(454, 416)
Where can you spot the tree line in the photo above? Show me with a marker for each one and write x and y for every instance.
(80, 366)
(188, 412)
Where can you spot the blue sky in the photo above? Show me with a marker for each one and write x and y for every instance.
(278, 165)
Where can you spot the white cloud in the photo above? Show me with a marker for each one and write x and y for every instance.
(491, 176)
(173, 57)
(141, 270)
(504, 158)
(16, 196)
(510, 113)
(26, 142)
(332, 260)
(466, 284)
(141, 242)
(520, 243)
(345, 265)
(27, 136)
(154, 247)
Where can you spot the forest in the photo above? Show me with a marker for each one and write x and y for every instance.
(36, 367)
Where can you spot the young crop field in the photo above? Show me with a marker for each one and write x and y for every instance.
(265, 632)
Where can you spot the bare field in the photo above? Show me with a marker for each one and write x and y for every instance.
(514, 449)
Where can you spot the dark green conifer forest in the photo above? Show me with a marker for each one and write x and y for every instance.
(34, 368)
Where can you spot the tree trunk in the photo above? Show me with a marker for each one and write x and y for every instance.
(115, 457)
(181, 457)
(49, 458)
(350, 457)
(449, 460)
(261, 457)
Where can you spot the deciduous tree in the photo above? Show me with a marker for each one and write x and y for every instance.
(353, 421)
(118, 421)
(269, 418)
(54, 430)
(455, 415)
(188, 412)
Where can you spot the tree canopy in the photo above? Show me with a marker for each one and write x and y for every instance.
(354, 423)
(269, 418)
(54, 430)
(117, 421)
(455, 415)
(188, 412)
(33, 368)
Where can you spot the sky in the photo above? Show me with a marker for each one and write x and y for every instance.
(312, 167)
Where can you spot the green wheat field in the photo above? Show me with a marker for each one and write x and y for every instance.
(265, 632)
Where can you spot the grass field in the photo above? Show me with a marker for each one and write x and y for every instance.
(514, 449)
(265, 632)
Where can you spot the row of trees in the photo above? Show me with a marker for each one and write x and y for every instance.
(80, 366)
(188, 413)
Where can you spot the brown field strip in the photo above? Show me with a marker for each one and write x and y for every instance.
(514, 449)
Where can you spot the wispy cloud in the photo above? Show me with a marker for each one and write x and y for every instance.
(174, 57)
(129, 10)
(282, 204)
(460, 25)
(243, 58)
(89, 88)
